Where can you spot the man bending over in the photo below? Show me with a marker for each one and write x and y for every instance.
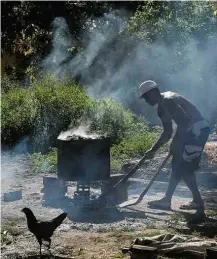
(187, 144)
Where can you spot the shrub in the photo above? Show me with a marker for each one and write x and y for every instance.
(44, 163)
(42, 110)
(8, 83)
(131, 147)
(18, 114)
(109, 117)
(59, 102)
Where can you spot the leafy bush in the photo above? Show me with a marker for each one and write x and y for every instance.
(18, 114)
(59, 102)
(131, 147)
(8, 83)
(49, 105)
(109, 117)
(42, 110)
(44, 163)
(174, 22)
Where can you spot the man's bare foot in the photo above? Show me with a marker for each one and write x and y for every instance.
(163, 203)
(192, 206)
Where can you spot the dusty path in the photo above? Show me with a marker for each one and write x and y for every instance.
(101, 238)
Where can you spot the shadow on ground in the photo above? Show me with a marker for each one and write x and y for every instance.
(103, 215)
(206, 226)
(96, 215)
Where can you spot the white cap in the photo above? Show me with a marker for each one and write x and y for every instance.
(146, 86)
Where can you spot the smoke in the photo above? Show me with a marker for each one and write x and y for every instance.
(81, 131)
(112, 66)
(61, 42)
(14, 165)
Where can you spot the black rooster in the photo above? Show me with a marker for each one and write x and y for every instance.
(43, 230)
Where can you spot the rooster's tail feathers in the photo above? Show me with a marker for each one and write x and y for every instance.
(58, 220)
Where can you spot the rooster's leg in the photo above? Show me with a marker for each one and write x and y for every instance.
(40, 243)
(49, 240)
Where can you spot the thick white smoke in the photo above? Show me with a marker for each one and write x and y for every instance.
(113, 66)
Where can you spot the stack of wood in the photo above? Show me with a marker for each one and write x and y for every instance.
(179, 246)
(141, 252)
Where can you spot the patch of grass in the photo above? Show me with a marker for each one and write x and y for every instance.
(196, 233)
(119, 256)
(9, 229)
(150, 233)
(133, 146)
(118, 232)
(78, 252)
(6, 239)
(211, 213)
(151, 225)
(98, 239)
(176, 217)
(103, 230)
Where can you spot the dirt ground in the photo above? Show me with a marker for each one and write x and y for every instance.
(102, 234)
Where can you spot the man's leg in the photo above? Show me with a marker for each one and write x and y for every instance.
(165, 202)
(173, 182)
(192, 165)
(190, 180)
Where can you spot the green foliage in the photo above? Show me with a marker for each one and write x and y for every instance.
(59, 102)
(18, 113)
(134, 146)
(196, 233)
(42, 110)
(49, 105)
(7, 83)
(174, 22)
(44, 163)
(131, 147)
(9, 229)
(26, 26)
(110, 118)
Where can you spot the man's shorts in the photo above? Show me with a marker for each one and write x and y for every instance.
(187, 155)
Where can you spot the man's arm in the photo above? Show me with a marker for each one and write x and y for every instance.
(167, 131)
